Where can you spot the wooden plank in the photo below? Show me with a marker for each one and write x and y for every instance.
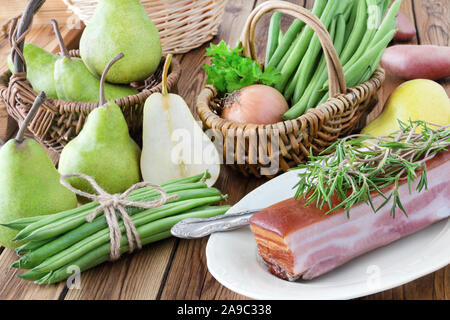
(139, 276)
(135, 276)
(50, 9)
(12, 288)
(433, 21)
(432, 18)
(188, 278)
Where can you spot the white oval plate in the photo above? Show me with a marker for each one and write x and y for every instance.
(232, 258)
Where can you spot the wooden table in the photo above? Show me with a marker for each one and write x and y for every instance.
(176, 269)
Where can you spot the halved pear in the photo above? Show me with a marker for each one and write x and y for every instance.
(174, 145)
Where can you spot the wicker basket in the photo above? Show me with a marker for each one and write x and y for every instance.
(269, 149)
(57, 121)
(183, 24)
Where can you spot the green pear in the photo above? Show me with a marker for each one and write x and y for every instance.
(29, 182)
(121, 26)
(40, 66)
(74, 82)
(103, 149)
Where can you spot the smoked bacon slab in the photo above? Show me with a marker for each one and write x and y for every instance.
(303, 242)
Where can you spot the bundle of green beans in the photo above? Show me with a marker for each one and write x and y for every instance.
(360, 35)
(55, 243)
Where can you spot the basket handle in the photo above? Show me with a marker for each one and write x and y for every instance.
(17, 33)
(336, 76)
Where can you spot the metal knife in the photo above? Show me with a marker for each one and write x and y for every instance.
(194, 228)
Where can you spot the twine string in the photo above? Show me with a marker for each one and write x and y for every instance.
(110, 203)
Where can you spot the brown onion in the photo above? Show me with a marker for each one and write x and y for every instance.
(255, 104)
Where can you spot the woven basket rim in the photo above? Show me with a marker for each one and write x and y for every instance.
(88, 106)
(350, 96)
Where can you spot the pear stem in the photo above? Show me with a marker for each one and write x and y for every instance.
(62, 45)
(36, 104)
(103, 78)
(164, 90)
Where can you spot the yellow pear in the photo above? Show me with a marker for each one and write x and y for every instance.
(418, 99)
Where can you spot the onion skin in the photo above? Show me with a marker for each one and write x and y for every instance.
(255, 104)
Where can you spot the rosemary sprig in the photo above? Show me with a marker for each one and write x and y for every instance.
(362, 164)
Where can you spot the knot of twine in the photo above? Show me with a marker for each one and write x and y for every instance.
(110, 203)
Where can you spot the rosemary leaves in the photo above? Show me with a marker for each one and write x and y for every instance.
(362, 165)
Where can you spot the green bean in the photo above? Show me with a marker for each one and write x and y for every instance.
(291, 34)
(68, 214)
(290, 88)
(373, 67)
(348, 10)
(61, 227)
(363, 69)
(273, 35)
(193, 179)
(321, 69)
(367, 60)
(352, 19)
(324, 98)
(84, 231)
(300, 48)
(285, 43)
(368, 36)
(280, 36)
(288, 53)
(316, 92)
(31, 245)
(22, 223)
(150, 232)
(389, 22)
(384, 5)
(91, 242)
(357, 33)
(87, 262)
(308, 62)
(337, 31)
(385, 28)
(43, 220)
(148, 195)
(53, 218)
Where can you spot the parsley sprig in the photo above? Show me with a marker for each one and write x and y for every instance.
(230, 71)
(362, 164)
